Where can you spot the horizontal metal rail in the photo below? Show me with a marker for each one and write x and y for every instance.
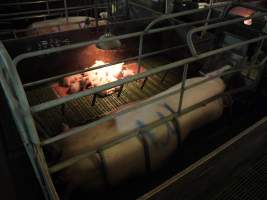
(23, 119)
(25, 13)
(156, 123)
(213, 26)
(144, 7)
(29, 3)
(104, 87)
(123, 60)
(19, 31)
(162, 18)
(32, 132)
(203, 161)
(83, 44)
(143, 130)
(53, 103)
(51, 14)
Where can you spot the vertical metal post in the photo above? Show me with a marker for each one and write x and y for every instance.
(96, 16)
(182, 88)
(22, 116)
(66, 10)
(14, 34)
(203, 33)
(47, 7)
(140, 53)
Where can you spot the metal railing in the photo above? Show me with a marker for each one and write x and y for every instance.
(14, 34)
(67, 11)
(25, 123)
(20, 110)
(65, 8)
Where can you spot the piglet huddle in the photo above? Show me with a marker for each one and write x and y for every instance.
(98, 77)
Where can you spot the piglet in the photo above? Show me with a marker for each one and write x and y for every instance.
(75, 87)
(69, 80)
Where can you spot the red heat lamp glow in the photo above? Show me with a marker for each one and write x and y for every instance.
(244, 12)
(90, 79)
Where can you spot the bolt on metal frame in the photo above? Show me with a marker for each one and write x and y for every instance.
(22, 112)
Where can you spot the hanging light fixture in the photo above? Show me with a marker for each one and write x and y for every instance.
(111, 44)
(108, 45)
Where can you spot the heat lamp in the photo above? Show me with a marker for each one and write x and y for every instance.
(111, 44)
(108, 45)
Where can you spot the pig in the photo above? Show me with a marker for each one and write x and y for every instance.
(61, 24)
(126, 158)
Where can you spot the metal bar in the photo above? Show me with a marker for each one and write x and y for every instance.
(46, 15)
(125, 36)
(203, 160)
(66, 10)
(94, 100)
(145, 8)
(51, 10)
(77, 130)
(145, 145)
(142, 130)
(208, 17)
(53, 103)
(144, 83)
(120, 91)
(103, 167)
(47, 8)
(162, 18)
(54, 78)
(25, 123)
(96, 17)
(83, 44)
(183, 88)
(27, 3)
(118, 22)
(212, 26)
(164, 76)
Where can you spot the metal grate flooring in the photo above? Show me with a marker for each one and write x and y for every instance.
(80, 111)
(250, 184)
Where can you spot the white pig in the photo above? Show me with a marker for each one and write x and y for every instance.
(126, 158)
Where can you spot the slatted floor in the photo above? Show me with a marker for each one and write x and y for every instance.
(250, 184)
(80, 111)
